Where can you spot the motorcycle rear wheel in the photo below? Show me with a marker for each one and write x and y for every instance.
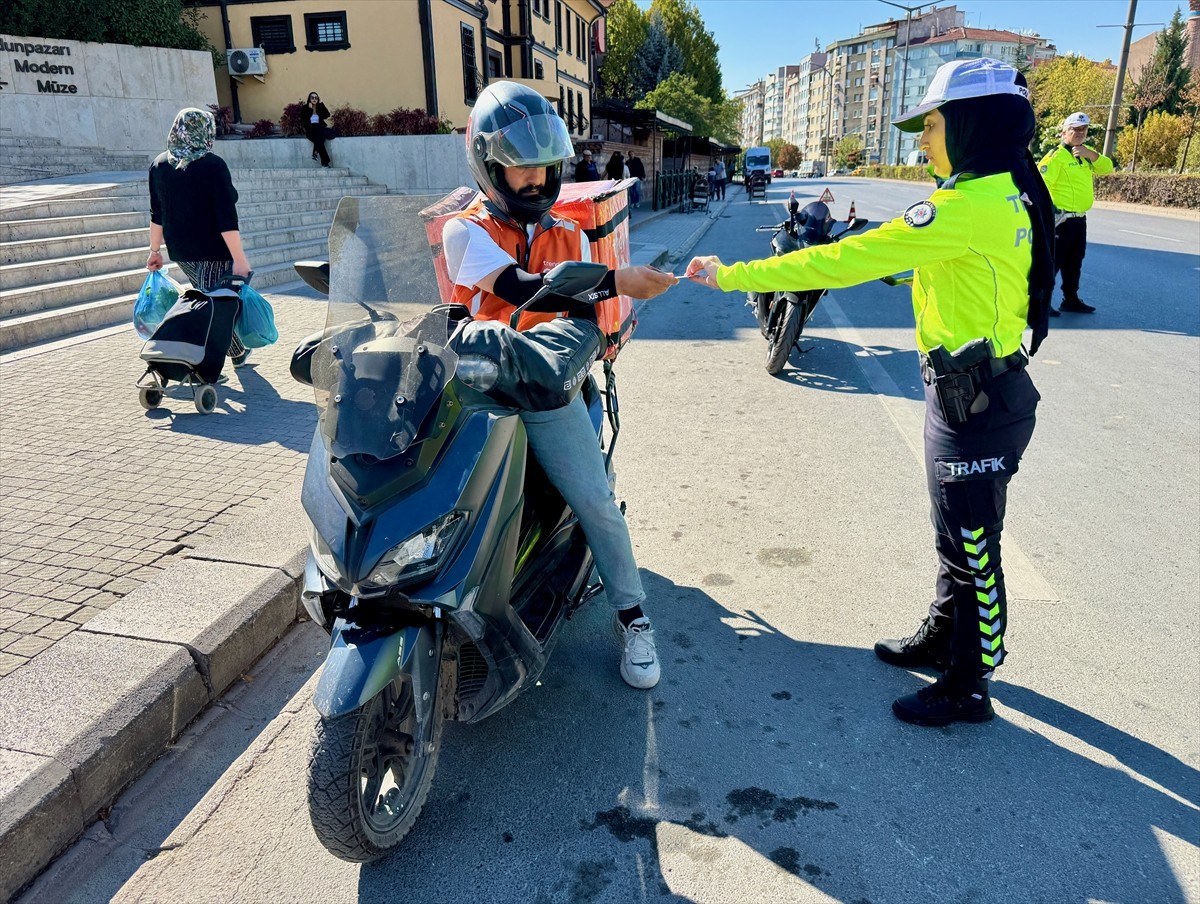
(780, 342)
(365, 786)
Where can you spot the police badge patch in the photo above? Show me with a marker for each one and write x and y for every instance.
(920, 214)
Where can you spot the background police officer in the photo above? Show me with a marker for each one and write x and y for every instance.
(1068, 170)
(980, 247)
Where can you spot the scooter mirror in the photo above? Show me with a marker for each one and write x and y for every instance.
(858, 223)
(793, 205)
(574, 279)
(315, 273)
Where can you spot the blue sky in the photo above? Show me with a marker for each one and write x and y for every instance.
(757, 36)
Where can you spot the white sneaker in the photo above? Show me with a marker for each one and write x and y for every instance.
(639, 659)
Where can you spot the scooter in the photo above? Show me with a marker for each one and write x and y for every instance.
(782, 315)
(443, 564)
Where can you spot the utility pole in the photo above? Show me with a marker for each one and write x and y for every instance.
(1114, 112)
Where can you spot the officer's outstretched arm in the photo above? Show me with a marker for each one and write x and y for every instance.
(929, 232)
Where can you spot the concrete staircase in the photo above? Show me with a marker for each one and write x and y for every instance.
(23, 159)
(75, 262)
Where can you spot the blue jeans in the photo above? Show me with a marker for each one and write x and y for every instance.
(564, 442)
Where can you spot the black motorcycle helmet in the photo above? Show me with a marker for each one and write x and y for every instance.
(815, 222)
(512, 125)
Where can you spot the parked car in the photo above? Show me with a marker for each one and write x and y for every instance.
(777, 174)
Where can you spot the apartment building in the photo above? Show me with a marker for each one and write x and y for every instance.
(927, 53)
(773, 101)
(433, 55)
(752, 99)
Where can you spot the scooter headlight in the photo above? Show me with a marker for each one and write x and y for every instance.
(324, 556)
(419, 555)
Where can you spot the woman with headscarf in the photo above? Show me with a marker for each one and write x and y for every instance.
(981, 252)
(193, 206)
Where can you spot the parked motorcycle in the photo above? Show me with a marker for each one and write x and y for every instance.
(443, 563)
(782, 315)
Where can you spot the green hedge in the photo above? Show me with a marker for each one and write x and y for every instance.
(907, 173)
(1159, 189)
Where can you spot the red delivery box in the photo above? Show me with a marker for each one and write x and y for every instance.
(600, 208)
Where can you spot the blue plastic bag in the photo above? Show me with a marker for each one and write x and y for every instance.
(255, 326)
(157, 296)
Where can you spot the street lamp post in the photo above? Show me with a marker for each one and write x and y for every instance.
(908, 10)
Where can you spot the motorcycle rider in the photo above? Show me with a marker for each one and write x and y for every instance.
(496, 252)
(980, 248)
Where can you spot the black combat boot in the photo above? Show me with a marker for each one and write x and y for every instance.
(1076, 306)
(949, 699)
(929, 648)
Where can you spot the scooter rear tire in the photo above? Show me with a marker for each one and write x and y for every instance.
(348, 752)
(780, 342)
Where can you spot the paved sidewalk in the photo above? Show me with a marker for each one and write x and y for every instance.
(147, 558)
(97, 496)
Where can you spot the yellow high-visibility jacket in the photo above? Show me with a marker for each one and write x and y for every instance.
(1069, 178)
(970, 248)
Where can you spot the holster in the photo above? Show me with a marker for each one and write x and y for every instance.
(959, 376)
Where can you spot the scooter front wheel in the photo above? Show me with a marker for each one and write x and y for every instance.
(780, 342)
(367, 779)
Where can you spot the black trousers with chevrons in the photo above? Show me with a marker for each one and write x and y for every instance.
(968, 467)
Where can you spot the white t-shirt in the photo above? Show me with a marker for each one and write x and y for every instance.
(472, 254)
(314, 118)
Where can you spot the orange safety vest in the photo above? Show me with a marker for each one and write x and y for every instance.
(555, 240)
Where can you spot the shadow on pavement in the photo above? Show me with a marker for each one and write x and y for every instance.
(764, 766)
(251, 414)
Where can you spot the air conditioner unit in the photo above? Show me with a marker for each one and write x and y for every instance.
(247, 61)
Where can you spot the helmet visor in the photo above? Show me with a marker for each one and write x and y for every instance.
(540, 140)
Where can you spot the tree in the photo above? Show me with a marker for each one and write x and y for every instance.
(1021, 61)
(1065, 85)
(1147, 94)
(626, 28)
(1168, 64)
(1191, 109)
(1156, 143)
(685, 28)
(848, 151)
(789, 157)
(677, 96)
(776, 146)
(655, 60)
(142, 23)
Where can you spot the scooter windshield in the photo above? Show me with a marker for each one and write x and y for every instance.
(384, 363)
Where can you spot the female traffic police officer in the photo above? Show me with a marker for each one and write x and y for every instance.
(980, 248)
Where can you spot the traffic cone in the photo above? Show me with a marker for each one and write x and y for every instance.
(850, 219)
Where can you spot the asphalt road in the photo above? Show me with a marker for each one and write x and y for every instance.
(782, 526)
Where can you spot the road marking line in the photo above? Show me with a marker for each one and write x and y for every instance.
(1022, 579)
(1151, 236)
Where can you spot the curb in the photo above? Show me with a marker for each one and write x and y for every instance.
(117, 692)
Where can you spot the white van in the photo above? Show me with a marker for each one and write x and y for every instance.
(758, 160)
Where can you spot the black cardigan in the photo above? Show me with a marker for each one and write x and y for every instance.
(194, 206)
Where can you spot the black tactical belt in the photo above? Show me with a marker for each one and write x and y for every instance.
(998, 365)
